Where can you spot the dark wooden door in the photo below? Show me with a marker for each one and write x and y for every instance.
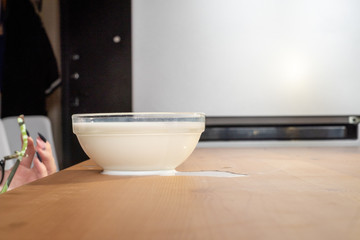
(96, 71)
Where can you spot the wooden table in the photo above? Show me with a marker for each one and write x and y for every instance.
(288, 193)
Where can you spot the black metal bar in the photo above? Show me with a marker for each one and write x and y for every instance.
(279, 120)
(289, 132)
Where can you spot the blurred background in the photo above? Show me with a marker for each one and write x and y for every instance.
(260, 70)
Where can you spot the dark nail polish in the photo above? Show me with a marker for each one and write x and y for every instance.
(38, 155)
(42, 137)
(27, 133)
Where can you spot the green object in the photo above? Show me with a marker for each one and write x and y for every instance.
(18, 155)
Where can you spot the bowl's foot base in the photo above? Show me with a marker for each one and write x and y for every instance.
(140, 173)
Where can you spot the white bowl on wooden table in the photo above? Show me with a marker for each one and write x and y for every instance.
(138, 143)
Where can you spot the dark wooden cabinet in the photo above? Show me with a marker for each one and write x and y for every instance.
(96, 63)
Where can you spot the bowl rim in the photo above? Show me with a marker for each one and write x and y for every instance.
(139, 117)
(138, 114)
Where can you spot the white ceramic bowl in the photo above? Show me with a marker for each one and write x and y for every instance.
(138, 143)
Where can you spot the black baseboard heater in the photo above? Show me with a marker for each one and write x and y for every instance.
(281, 128)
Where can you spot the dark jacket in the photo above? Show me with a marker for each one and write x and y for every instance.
(29, 63)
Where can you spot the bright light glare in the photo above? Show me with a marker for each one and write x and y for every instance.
(295, 70)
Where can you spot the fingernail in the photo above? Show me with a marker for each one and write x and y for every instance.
(40, 143)
(27, 133)
(42, 137)
(38, 155)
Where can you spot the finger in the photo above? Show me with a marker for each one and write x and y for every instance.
(39, 168)
(45, 152)
(29, 154)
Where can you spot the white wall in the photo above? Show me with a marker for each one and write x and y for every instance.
(247, 58)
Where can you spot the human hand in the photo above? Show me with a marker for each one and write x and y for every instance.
(25, 173)
(43, 148)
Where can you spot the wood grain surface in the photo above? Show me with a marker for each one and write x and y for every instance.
(287, 193)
